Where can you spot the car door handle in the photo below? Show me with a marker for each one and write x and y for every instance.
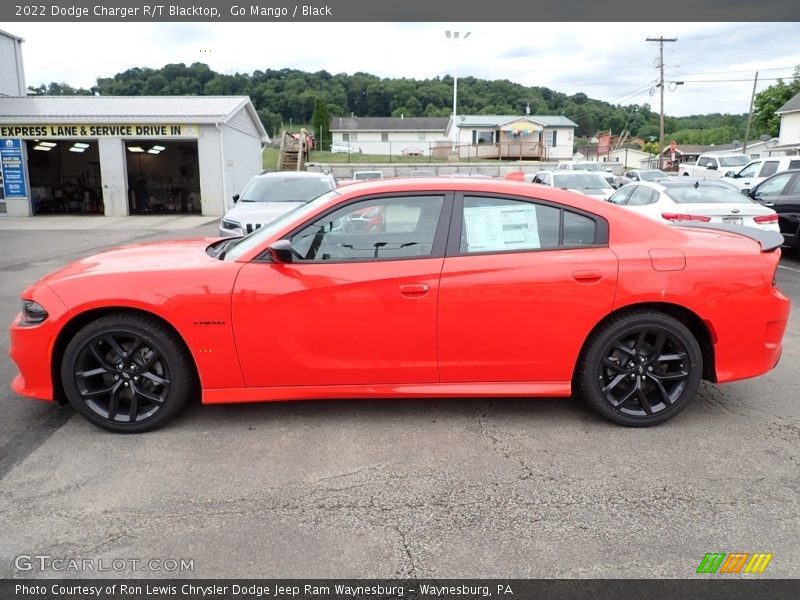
(587, 276)
(414, 289)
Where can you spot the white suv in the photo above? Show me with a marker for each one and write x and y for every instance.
(758, 170)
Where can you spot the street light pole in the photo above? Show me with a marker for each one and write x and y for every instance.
(454, 35)
(661, 41)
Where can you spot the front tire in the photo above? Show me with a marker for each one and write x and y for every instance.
(640, 369)
(127, 373)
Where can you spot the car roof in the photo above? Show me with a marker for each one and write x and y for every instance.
(293, 175)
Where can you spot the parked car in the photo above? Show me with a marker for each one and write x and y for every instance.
(781, 193)
(269, 195)
(713, 165)
(592, 184)
(468, 287)
(344, 148)
(757, 171)
(412, 151)
(589, 165)
(680, 201)
(640, 175)
(364, 175)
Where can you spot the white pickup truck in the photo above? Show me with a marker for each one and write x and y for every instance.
(714, 165)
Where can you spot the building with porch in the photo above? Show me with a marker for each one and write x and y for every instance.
(509, 137)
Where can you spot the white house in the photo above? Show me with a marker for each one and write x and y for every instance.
(538, 137)
(411, 136)
(789, 137)
(628, 158)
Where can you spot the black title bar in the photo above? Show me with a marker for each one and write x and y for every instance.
(400, 10)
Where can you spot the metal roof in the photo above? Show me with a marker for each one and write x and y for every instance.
(389, 123)
(792, 105)
(496, 120)
(11, 35)
(116, 109)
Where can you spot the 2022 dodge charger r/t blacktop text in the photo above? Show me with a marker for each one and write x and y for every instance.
(418, 287)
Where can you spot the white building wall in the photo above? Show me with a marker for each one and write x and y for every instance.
(790, 128)
(113, 176)
(371, 142)
(12, 75)
(242, 159)
(213, 184)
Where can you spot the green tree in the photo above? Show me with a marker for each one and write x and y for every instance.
(771, 99)
(321, 125)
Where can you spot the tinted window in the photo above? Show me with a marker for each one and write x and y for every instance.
(372, 230)
(774, 186)
(794, 188)
(733, 161)
(498, 224)
(794, 164)
(770, 168)
(285, 189)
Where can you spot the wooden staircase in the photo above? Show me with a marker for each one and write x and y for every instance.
(293, 152)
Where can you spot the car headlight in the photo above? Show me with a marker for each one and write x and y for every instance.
(33, 312)
(231, 225)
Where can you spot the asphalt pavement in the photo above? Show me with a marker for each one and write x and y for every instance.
(393, 488)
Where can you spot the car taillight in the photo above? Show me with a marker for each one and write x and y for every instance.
(773, 218)
(673, 217)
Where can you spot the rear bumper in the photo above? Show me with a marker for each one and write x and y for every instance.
(747, 331)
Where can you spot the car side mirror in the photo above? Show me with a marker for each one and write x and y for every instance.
(235, 198)
(730, 174)
(608, 169)
(281, 251)
(747, 192)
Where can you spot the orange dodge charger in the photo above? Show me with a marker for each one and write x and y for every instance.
(420, 287)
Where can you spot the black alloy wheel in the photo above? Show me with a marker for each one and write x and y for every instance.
(126, 373)
(641, 369)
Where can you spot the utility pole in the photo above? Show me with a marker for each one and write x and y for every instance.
(661, 41)
(750, 115)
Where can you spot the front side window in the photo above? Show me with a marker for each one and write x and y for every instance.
(504, 225)
(642, 196)
(380, 228)
(774, 186)
(622, 195)
(750, 170)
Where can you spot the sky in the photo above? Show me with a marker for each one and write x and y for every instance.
(607, 61)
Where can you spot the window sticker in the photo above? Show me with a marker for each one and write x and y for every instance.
(490, 228)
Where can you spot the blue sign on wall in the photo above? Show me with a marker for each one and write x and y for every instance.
(13, 168)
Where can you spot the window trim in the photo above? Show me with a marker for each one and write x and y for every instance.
(454, 238)
(439, 237)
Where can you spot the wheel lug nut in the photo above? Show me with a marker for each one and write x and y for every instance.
(649, 368)
(126, 384)
(136, 378)
(633, 376)
(116, 377)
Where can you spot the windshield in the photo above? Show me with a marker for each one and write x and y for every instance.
(706, 195)
(580, 181)
(249, 242)
(733, 161)
(589, 167)
(652, 175)
(285, 189)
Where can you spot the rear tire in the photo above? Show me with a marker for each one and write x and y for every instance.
(127, 373)
(640, 368)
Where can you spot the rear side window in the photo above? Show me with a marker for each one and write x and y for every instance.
(504, 225)
(706, 195)
(794, 164)
(770, 167)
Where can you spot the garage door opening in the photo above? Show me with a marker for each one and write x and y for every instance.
(163, 177)
(65, 177)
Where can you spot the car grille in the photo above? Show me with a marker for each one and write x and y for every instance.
(251, 227)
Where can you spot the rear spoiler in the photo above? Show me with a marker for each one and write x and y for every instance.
(769, 240)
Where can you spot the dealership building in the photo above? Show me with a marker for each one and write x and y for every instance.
(115, 155)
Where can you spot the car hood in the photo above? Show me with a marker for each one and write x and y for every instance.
(145, 257)
(259, 212)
